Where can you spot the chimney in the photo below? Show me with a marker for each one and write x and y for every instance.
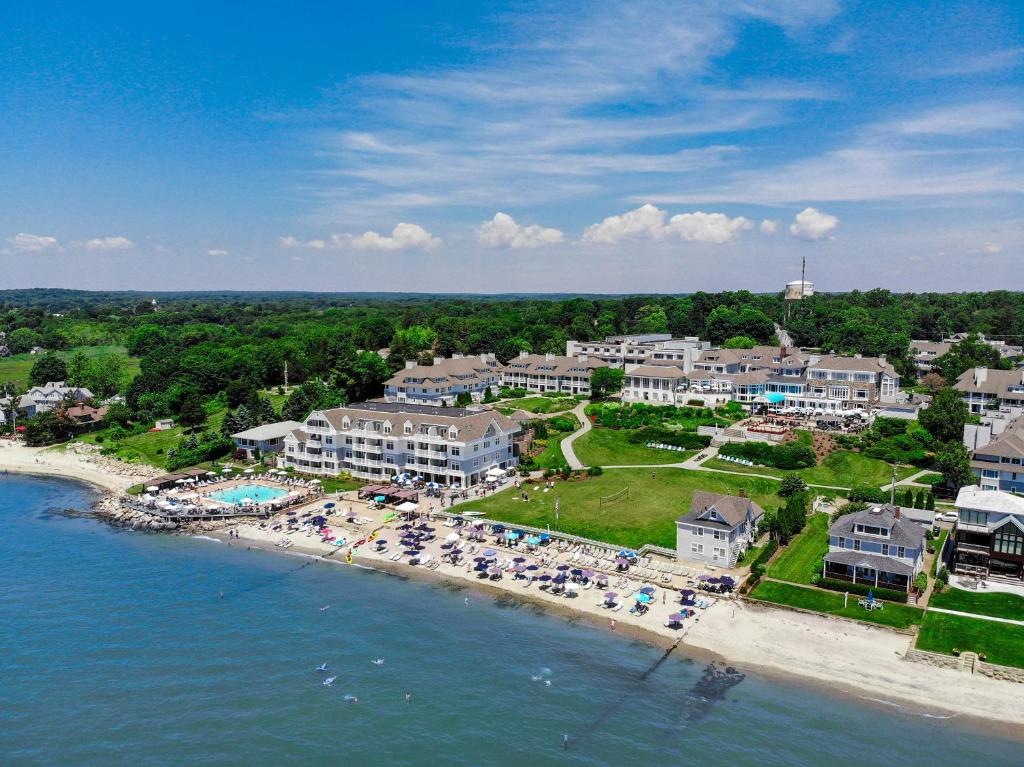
(742, 493)
(881, 359)
(582, 358)
(438, 360)
(896, 514)
(523, 354)
(410, 364)
(549, 356)
(980, 374)
(457, 356)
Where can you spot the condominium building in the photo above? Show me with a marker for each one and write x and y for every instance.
(623, 351)
(985, 388)
(989, 533)
(550, 372)
(657, 384)
(377, 440)
(440, 384)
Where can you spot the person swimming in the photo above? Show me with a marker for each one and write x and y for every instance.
(329, 681)
(378, 662)
(408, 697)
(351, 699)
(322, 667)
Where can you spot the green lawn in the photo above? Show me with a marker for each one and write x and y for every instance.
(552, 457)
(1001, 643)
(996, 604)
(647, 515)
(543, 404)
(611, 447)
(831, 603)
(15, 369)
(842, 468)
(796, 562)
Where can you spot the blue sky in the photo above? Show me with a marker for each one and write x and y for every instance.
(492, 147)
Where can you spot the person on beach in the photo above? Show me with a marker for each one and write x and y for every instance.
(613, 624)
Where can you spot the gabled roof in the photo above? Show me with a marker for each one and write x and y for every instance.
(1009, 444)
(867, 559)
(268, 431)
(990, 381)
(556, 365)
(471, 424)
(857, 364)
(731, 510)
(658, 371)
(465, 370)
(902, 531)
(973, 497)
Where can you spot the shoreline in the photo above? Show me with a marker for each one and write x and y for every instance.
(844, 658)
(85, 465)
(745, 635)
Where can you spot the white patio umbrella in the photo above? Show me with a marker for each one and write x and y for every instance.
(152, 489)
(227, 470)
(249, 471)
(315, 481)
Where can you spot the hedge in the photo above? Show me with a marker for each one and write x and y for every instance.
(889, 595)
(778, 456)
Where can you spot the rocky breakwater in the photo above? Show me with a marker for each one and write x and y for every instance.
(121, 512)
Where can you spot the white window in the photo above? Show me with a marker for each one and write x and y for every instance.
(697, 548)
(719, 553)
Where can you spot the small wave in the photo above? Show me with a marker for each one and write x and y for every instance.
(912, 712)
(207, 538)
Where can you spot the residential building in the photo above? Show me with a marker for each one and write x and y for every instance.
(717, 529)
(999, 463)
(990, 425)
(1006, 351)
(623, 351)
(550, 372)
(877, 546)
(989, 533)
(268, 438)
(926, 352)
(85, 417)
(42, 399)
(440, 384)
(987, 388)
(377, 440)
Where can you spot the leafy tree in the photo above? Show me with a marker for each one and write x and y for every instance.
(21, 340)
(49, 367)
(606, 381)
(929, 501)
(919, 500)
(47, 429)
(908, 497)
(954, 463)
(651, 318)
(105, 375)
(739, 342)
(944, 418)
(969, 353)
(192, 412)
(77, 370)
(463, 399)
(792, 484)
(267, 414)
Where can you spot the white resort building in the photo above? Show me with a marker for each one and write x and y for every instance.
(623, 351)
(985, 388)
(549, 372)
(440, 384)
(377, 440)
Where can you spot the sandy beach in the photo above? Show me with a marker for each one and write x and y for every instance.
(841, 655)
(81, 463)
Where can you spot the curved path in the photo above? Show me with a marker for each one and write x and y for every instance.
(567, 449)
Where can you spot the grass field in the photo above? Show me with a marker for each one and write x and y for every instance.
(939, 543)
(1001, 643)
(15, 369)
(841, 469)
(996, 604)
(796, 562)
(551, 457)
(542, 404)
(831, 603)
(648, 515)
(151, 446)
(611, 447)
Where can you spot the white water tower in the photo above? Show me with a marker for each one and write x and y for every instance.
(799, 289)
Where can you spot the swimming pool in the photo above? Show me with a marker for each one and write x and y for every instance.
(248, 493)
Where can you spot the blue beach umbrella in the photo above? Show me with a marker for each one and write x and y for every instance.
(643, 598)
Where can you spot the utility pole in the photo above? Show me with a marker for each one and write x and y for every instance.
(892, 487)
(286, 376)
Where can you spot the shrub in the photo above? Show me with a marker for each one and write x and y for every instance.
(862, 589)
(868, 494)
(791, 456)
(943, 576)
(921, 581)
(595, 471)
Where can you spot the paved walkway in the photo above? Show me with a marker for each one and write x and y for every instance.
(567, 449)
(911, 481)
(992, 618)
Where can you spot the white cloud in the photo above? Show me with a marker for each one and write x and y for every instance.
(503, 231)
(31, 243)
(646, 221)
(109, 243)
(991, 248)
(812, 224)
(769, 226)
(217, 252)
(403, 237)
(715, 228)
(963, 119)
(293, 242)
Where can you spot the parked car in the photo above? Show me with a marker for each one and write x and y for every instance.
(947, 516)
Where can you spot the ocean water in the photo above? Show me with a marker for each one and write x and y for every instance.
(130, 648)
